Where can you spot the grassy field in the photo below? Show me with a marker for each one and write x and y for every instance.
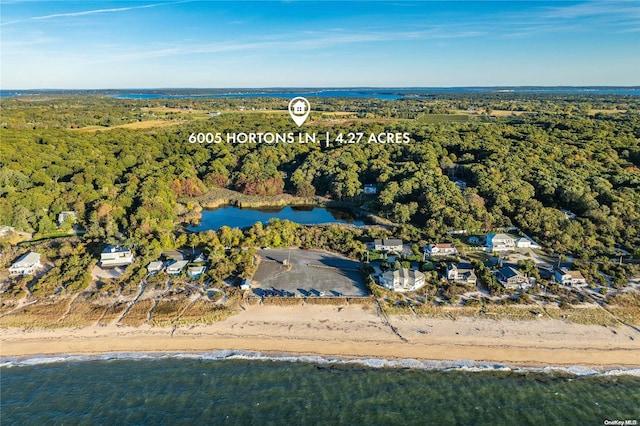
(138, 125)
(443, 118)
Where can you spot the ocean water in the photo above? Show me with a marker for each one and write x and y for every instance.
(244, 388)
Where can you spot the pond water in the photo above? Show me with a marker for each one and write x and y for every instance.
(235, 217)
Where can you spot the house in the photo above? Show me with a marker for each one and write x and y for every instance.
(512, 278)
(113, 256)
(5, 230)
(200, 258)
(176, 267)
(299, 107)
(570, 278)
(526, 242)
(214, 113)
(500, 242)
(568, 214)
(474, 240)
(26, 264)
(370, 189)
(387, 244)
(460, 183)
(196, 271)
(523, 242)
(246, 284)
(402, 280)
(441, 249)
(63, 216)
(461, 272)
(155, 266)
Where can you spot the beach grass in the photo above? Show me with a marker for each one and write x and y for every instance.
(112, 313)
(82, 313)
(204, 311)
(138, 313)
(38, 315)
(167, 311)
(588, 315)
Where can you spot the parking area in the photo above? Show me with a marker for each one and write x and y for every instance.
(309, 273)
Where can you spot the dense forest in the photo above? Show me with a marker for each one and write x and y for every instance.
(477, 163)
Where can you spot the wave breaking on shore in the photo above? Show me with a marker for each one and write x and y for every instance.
(373, 363)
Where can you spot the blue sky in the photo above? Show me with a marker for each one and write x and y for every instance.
(147, 44)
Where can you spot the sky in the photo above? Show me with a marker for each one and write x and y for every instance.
(220, 44)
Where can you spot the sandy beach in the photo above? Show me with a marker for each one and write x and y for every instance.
(353, 331)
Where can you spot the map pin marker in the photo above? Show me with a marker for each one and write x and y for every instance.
(299, 109)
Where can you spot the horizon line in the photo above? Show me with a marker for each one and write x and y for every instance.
(558, 86)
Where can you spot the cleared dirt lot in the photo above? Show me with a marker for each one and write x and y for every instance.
(312, 273)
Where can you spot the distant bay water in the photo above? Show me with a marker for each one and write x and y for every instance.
(217, 389)
(372, 93)
(385, 94)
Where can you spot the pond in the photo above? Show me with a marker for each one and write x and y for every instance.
(235, 217)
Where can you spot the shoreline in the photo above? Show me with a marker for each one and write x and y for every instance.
(354, 332)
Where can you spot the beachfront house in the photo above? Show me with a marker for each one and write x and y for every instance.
(113, 256)
(441, 249)
(176, 267)
(246, 284)
(512, 279)
(26, 264)
(387, 244)
(196, 271)
(402, 280)
(500, 242)
(570, 278)
(155, 266)
(461, 272)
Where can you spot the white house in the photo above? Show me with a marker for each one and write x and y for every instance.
(441, 249)
(526, 242)
(568, 214)
(387, 244)
(512, 278)
(500, 242)
(176, 267)
(570, 278)
(246, 284)
(402, 280)
(196, 271)
(113, 256)
(461, 272)
(155, 266)
(27, 264)
(67, 215)
(523, 242)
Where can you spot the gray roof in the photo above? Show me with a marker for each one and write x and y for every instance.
(388, 242)
(509, 272)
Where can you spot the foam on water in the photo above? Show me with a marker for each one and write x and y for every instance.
(374, 363)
